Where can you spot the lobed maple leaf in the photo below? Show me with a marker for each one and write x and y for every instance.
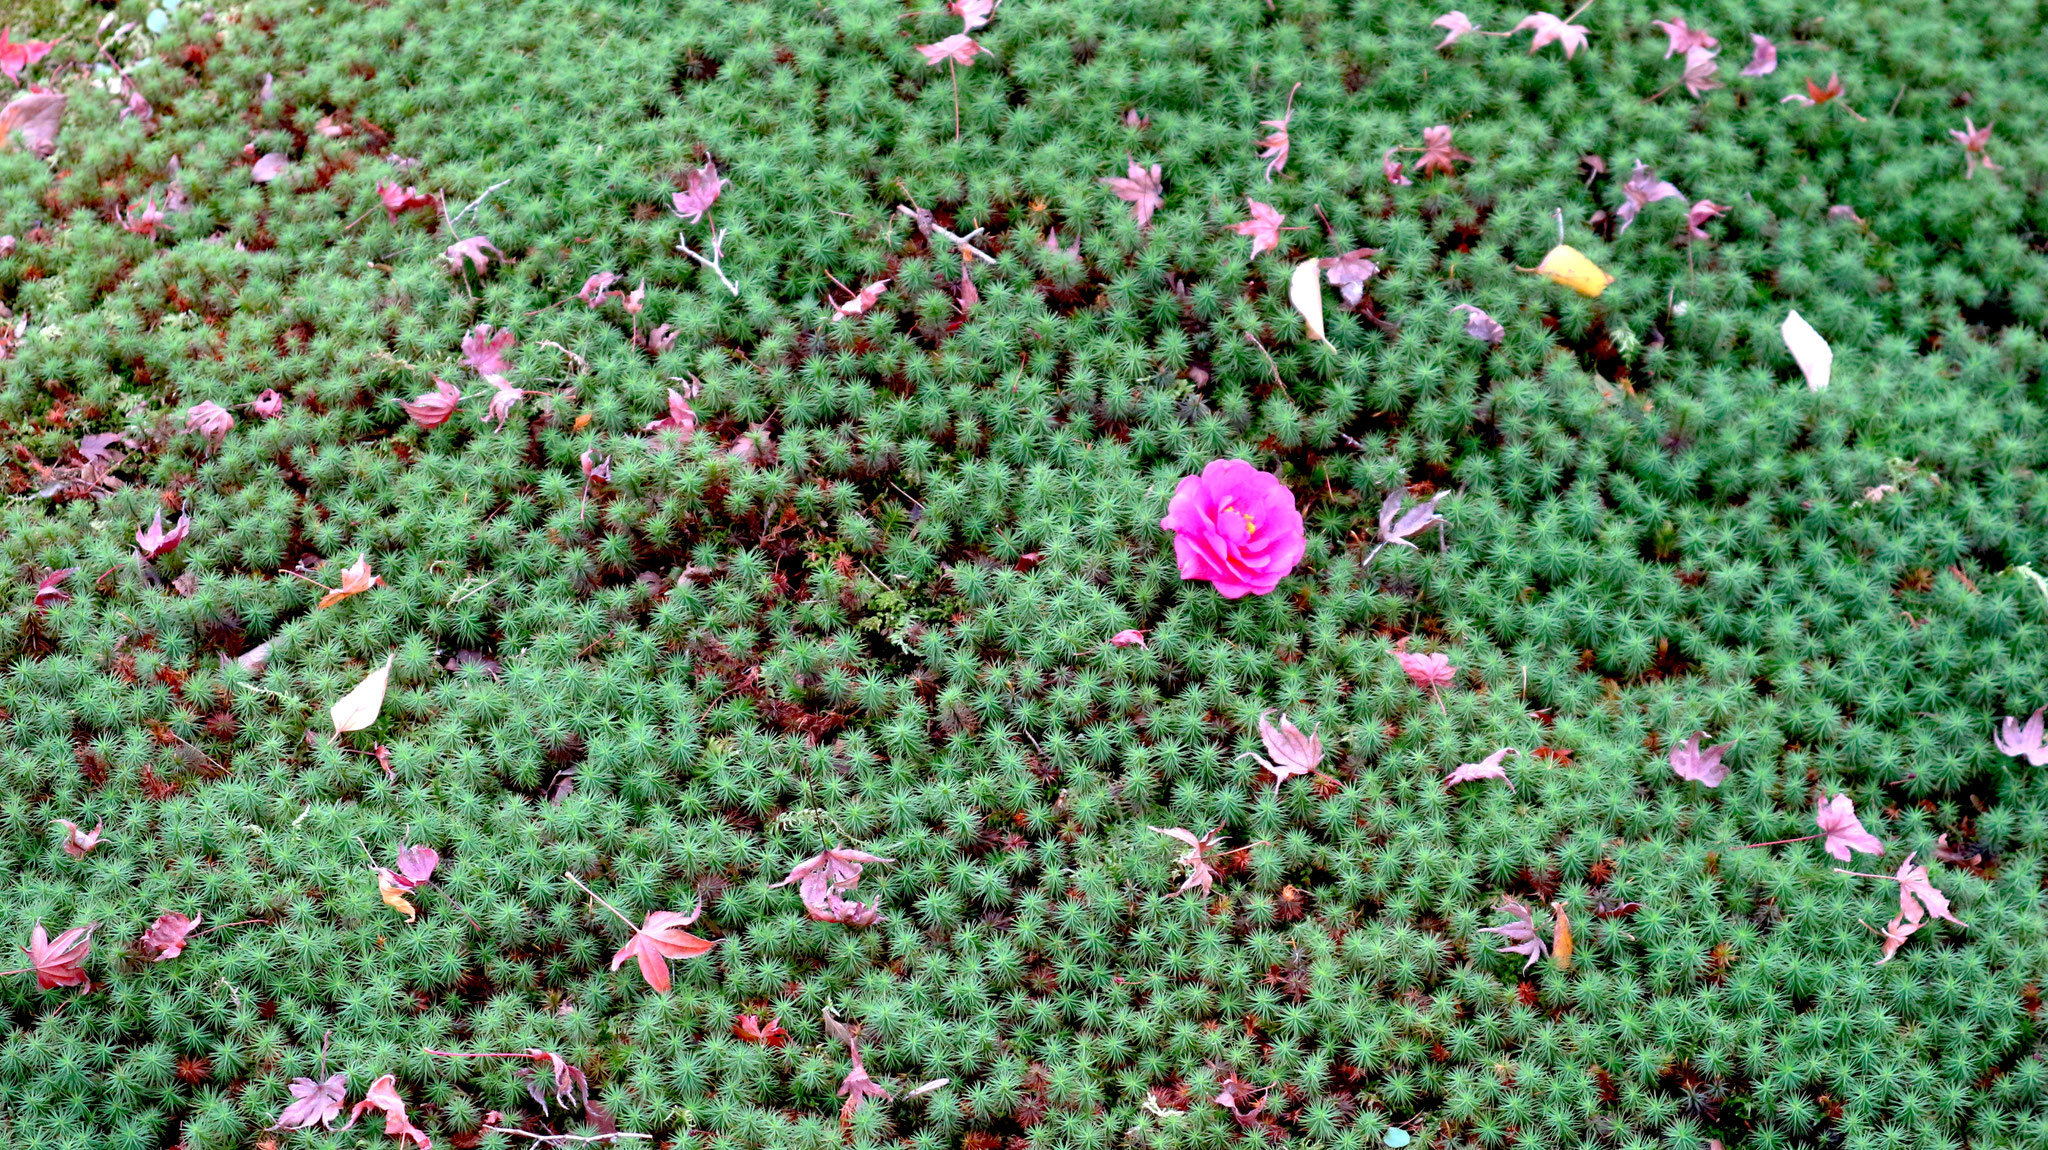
(1843, 830)
(2023, 742)
(659, 938)
(383, 1096)
(1549, 29)
(47, 592)
(165, 938)
(1487, 768)
(1896, 932)
(1288, 751)
(1143, 189)
(856, 1087)
(750, 1028)
(154, 540)
(679, 418)
(1481, 326)
(1392, 168)
(1429, 672)
(1522, 936)
(700, 190)
(1702, 72)
(433, 408)
(209, 419)
(1700, 212)
(142, 221)
(594, 291)
(1974, 140)
(595, 470)
(825, 878)
(1642, 189)
(472, 249)
(1052, 244)
(18, 55)
(1399, 527)
(1815, 95)
(1683, 39)
(36, 115)
(79, 843)
(1264, 227)
(269, 167)
(59, 961)
(1701, 766)
(1273, 148)
(959, 48)
(1202, 872)
(416, 864)
(502, 399)
(314, 1103)
(1438, 153)
(1764, 60)
(397, 199)
(356, 578)
(1917, 896)
(485, 351)
(862, 300)
(1349, 271)
(566, 1082)
(973, 13)
(1455, 24)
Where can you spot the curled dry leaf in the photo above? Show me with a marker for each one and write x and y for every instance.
(383, 1095)
(359, 708)
(1561, 938)
(79, 843)
(165, 938)
(34, 116)
(392, 889)
(355, 579)
(1305, 292)
(270, 167)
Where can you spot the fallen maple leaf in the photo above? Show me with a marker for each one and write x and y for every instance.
(1438, 153)
(1431, 672)
(1702, 72)
(1288, 751)
(383, 1095)
(2023, 741)
(398, 199)
(154, 540)
(1274, 147)
(485, 351)
(36, 115)
(1455, 24)
(17, 55)
(1701, 766)
(433, 408)
(355, 579)
(1700, 212)
(1844, 831)
(1550, 28)
(1683, 39)
(502, 399)
(141, 221)
(862, 300)
(1349, 271)
(1521, 934)
(209, 419)
(1264, 227)
(701, 188)
(359, 708)
(750, 1028)
(958, 48)
(1974, 140)
(594, 291)
(416, 864)
(1764, 60)
(165, 938)
(314, 1103)
(856, 1087)
(1642, 189)
(823, 881)
(1896, 932)
(679, 419)
(79, 843)
(1561, 938)
(659, 938)
(1127, 638)
(1487, 768)
(59, 961)
(973, 13)
(1481, 326)
(471, 249)
(269, 167)
(1143, 188)
(47, 592)
(392, 889)
(1202, 873)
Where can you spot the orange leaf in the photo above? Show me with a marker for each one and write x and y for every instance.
(1561, 938)
(354, 580)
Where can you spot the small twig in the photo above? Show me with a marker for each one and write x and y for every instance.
(225, 925)
(582, 365)
(474, 590)
(583, 1139)
(1895, 101)
(1269, 359)
(717, 244)
(473, 203)
(1777, 842)
(958, 241)
(955, 69)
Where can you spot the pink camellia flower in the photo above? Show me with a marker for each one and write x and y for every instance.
(1429, 672)
(268, 404)
(1127, 638)
(1843, 830)
(1235, 526)
(433, 409)
(209, 419)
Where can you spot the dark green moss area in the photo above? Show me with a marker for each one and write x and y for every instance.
(887, 628)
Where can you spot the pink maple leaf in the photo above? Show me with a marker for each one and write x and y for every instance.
(1522, 935)
(679, 418)
(823, 881)
(79, 843)
(1843, 830)
(1704, 767)
(153, 540)
(2023, 742)
(594, 291)
(1438, 153)
(502, 399)
(268, 404)
(1127, 638)
(1917, 895)
(416, 865)
(383, 1096)
(1764, 60)
(862, 300)
(700, 191)
(973, 13)
(1430, 672)
(485, 351)
(1487, 768)
(471, 249)
(59, 961)
(1456, 25)
(1896, 932)
(1974, 140)
(165, 938)
(402, 198)
(1640, 190)
(960, 48)
(1143, 189)
(143, 221)
(209, 419)
(857, 1087)
(47, 592)
(1288, 751)
(661, 937)
(1202, 872)
(18, 55)
(1264, 227)
(1702, 72)
(1391, 167)
(1683, 39)
(1552, 29)
(314, 1103)
(1274, 147)
(1399, 527)
(434, 407)
(1697, 215)
(1349, 271)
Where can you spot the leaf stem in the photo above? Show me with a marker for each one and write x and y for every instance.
(1778, 842)
(601, 902)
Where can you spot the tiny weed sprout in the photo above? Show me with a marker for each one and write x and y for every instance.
(985, 575)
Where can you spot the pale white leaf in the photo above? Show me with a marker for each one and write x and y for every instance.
(1816, 359)
(1305, 290)
(358, 708)
(270, 167)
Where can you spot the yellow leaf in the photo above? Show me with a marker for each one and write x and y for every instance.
(1561, 938)
(394, 895)
(1570, 267)
(1305, 291)
(358, 708)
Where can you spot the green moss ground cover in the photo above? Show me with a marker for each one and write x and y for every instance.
(882, 624)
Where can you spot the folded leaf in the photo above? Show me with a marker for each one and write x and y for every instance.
(1305, 291)
(1816, 359)
(359, 708)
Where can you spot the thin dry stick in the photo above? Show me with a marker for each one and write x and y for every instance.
(473, 203)
(1782, 842)
(580, 1139)
(225, 925)
(601, 902)
(717, 245)
(1275, 368)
